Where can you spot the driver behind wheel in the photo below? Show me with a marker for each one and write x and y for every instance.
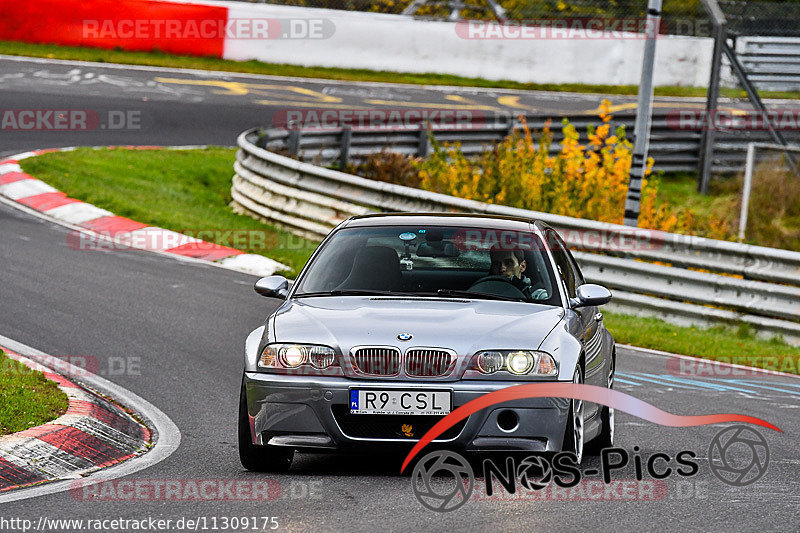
(511, 264)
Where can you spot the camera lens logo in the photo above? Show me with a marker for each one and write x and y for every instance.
(442, 481)
(738, 455)
(534, 473)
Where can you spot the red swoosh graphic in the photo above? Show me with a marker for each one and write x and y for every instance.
(588, 393)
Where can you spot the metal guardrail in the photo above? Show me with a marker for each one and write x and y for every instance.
(772, 63)
(673, 148)
(683, 278)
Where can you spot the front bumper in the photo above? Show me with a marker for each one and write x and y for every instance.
(313, 413)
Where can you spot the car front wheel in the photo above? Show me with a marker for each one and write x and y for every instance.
(606, 437)
(256, 457)
(573, 433)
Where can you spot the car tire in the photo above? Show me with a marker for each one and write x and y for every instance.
(255, 457)
(574, 430)
(605, 439)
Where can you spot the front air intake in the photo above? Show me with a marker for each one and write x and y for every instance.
(428, 362)
(376, 360)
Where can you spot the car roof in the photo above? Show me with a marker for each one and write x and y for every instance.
(443, 219)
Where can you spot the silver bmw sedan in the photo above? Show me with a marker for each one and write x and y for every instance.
(398, 319)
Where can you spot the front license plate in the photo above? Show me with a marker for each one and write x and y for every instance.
(399, 402)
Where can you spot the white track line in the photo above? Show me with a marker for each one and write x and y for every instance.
(166, 434)
(650, 351)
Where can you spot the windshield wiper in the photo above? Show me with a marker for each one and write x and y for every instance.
(439, 292)
(478, 295)
(349, 292)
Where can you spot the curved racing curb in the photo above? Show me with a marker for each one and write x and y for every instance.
(93, 434)
(100, 224)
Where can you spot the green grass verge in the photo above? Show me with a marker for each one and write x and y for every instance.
(680, 189)
(187, 191)
(718, 343)
(258, 67)
(27, 398)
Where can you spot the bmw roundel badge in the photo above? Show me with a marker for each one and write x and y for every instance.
(404, 336)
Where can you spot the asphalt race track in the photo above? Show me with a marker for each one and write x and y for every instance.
(180, 327)
(179, 107)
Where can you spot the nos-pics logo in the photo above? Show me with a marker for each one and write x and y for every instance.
(444, 481)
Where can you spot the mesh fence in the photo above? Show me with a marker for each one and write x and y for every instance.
(762, 18)
(679, 17)
(773, 201)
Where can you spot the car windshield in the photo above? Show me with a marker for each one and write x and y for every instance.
(435, 261)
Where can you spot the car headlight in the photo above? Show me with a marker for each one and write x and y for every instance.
(490, 362)
(293, 356)
(518, 362)
(296, 355)
(321, 357)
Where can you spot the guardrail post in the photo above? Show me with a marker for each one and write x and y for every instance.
(344, 152)
(424, 147)
(293, 144)
(641, 130)
(748, 181)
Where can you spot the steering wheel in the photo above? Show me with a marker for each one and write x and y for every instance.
(503, 285)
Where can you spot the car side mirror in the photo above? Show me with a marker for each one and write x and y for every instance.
(589, 295)
(273, 286)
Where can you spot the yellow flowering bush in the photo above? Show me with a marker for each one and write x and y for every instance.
(588, 180)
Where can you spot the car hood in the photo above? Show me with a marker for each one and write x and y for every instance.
(465, 326)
